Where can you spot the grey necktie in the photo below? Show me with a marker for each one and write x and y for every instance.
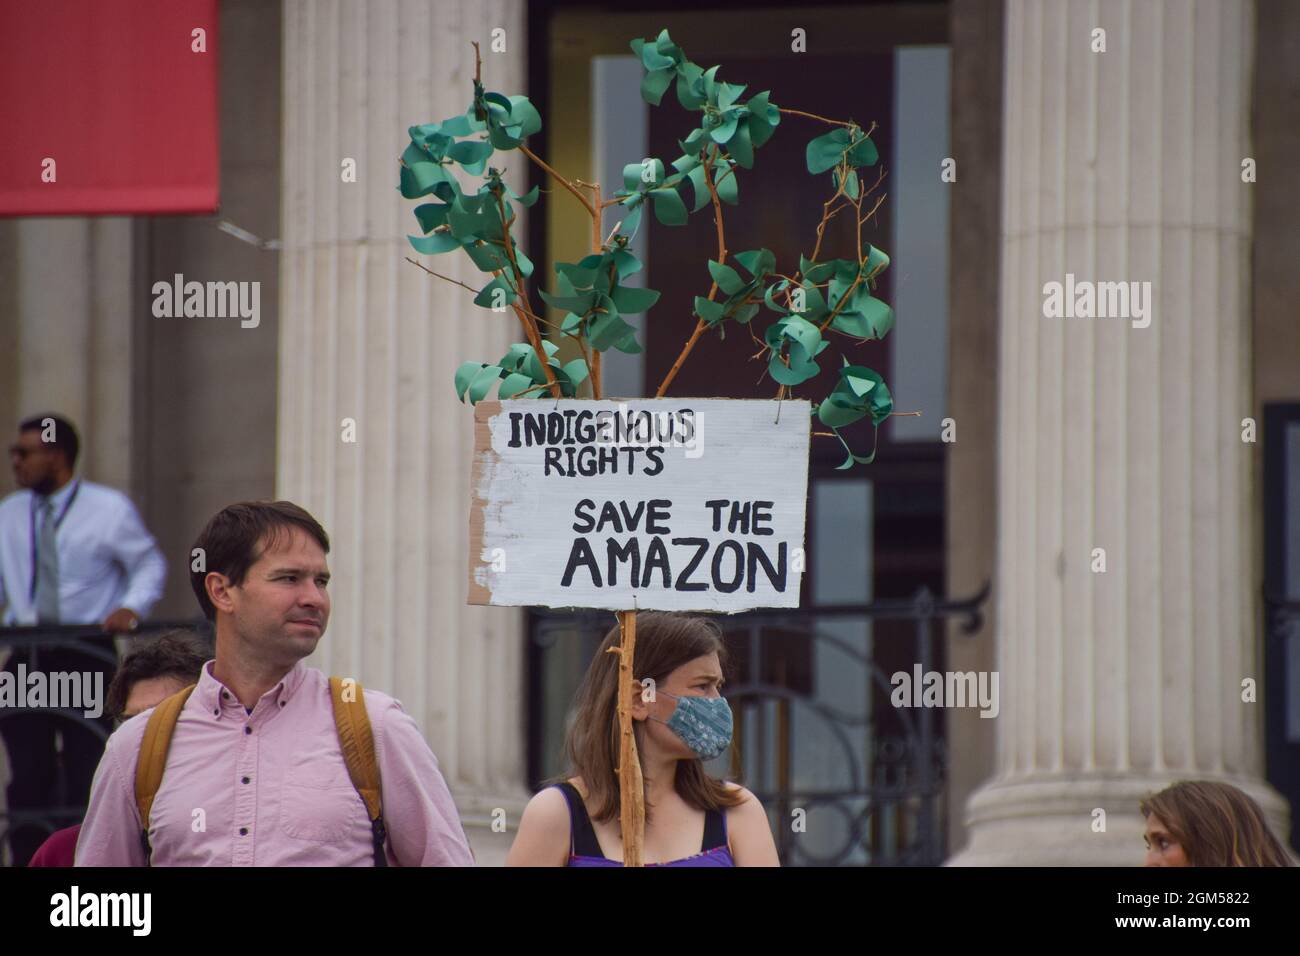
(47, 568)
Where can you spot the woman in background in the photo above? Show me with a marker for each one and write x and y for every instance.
(692, 819)
(1203, 823)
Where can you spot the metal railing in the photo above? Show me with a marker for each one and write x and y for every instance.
(87, 640)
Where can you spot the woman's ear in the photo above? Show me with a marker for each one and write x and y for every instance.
(643, 696)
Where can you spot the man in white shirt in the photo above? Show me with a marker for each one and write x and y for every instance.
(71, 552)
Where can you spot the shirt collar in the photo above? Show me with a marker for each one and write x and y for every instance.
(219, 701)
(60, 497)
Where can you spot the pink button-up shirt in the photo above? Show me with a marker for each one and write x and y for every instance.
(271, 788)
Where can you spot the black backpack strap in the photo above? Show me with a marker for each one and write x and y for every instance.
(582, 838)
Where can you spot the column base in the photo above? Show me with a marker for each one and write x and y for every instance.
(1047, 819)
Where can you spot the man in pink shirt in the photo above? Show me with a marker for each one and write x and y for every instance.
(255, 775)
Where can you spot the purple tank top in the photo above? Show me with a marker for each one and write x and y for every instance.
(584, 849)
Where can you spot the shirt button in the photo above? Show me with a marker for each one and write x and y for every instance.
(243, 831)
(282, 703)
(216, 713)
(248, 730)
(225, 695)
(244, 780)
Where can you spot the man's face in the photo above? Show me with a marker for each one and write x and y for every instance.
(35, 463)
(281, 609)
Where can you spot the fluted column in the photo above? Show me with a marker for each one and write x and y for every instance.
(369, 337)
(1123, 165)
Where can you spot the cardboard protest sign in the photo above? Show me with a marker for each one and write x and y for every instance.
(667, 504)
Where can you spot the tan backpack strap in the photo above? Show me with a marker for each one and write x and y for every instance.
(357, 742)
(153, 753)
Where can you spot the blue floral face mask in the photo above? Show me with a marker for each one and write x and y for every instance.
(704, 723)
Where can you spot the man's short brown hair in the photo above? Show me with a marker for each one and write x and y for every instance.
(180, 654)
(239, 534)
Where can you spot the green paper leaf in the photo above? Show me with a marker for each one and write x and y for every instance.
(482, 383)
(605, 330)
(769, 296)
(576, 371)
(528, 198)
(668, 205)
(710, 312)
(653, 85)
(825, 151)
(728, 93)
(723, 132)
(525, 264)
(863, 152)
(514, 383)
(488, 257)
(628, 344)
(759, 262)
(486, 297)
(435, 244)
(728, 280)
(579, 304)
(699, 188)
(631, 222)
(799, 329)
(470, 153)
(797, 373)
(464, 375)
(878, 315)
(631, 300)
(724, 181)
(690, 92)
(431, 215)
(460, 126)
(877, 262)
(626, 263)
(741, 146)
(836, 413)
(421, 179)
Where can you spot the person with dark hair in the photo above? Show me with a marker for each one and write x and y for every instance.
(681, 721)
(1207, 823)
(290, 768)
(155, 670)
(71, 552)
(148, 675)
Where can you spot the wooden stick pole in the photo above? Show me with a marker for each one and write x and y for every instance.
(631, 786)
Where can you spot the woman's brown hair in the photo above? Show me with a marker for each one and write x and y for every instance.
(1216, 825)
(664, 642)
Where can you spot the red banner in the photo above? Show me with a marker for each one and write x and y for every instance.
(108, 107)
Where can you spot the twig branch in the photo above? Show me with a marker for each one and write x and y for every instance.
(558, 178)
(701, 325)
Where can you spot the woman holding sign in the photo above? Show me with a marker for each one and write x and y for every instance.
(681, 720)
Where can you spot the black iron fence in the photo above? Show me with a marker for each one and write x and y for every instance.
(60, 644)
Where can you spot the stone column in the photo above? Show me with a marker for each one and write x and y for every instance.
(66, 344)
(368, 337)
(1122, 166)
